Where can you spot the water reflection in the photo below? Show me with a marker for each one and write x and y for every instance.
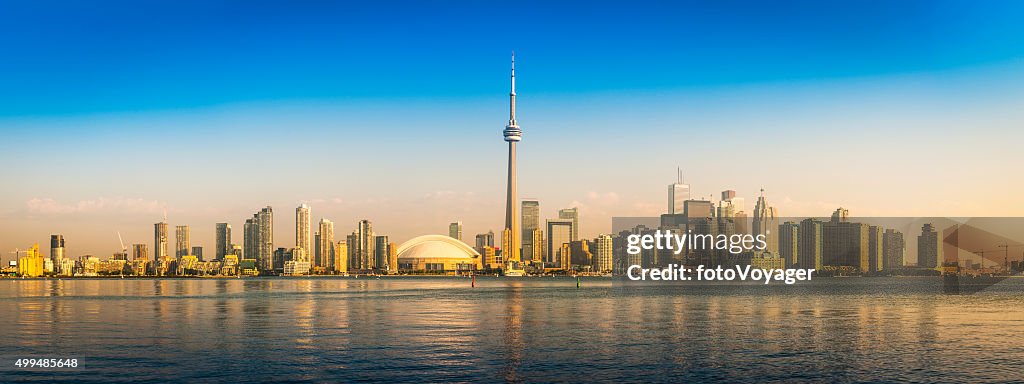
(426, 329)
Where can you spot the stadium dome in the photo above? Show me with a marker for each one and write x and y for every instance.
(437, 253)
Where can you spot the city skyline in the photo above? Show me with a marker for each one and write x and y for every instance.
(411, 145)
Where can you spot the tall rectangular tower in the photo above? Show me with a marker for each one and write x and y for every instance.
(302, 229)
(182, 241)
(223, 240)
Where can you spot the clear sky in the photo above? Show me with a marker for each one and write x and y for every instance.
(113, 112)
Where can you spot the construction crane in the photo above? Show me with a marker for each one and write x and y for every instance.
(124, 251)
(1005, 247)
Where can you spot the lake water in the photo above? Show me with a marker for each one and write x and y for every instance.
(514, 330)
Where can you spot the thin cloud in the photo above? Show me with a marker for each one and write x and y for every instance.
(49, 206)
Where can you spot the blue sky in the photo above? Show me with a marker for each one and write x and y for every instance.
(393, 111)
(66, 58)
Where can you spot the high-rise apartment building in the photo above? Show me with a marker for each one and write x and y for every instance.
(259, 239)
(341, 257)
(223, 238)
(894, 249)
(324, 255)
(182, 241)
(603, 253)
(363, 248)
(381, 253)
(929, 247)
(302, 229)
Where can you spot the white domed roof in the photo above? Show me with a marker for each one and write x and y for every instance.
(436, 246)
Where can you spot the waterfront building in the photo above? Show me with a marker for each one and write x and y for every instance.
(809, 250)
(437, 254)
(875, 249)
(140, 252)
(559, 232)
(844, 245)
(603, 253)
(929, 247)
(341, 257)
(530, 226)
(223, 236)
(57, 254)
(160, 241)
(381, 253)
(182, 241)
(31, 262)
(893, 249)
(302, 229)
(324, 256)
(789, 243)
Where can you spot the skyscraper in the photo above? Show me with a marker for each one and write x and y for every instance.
(789, 243)
(197, 251)
(364, 246)
(845, 244)
(182, 241)
(572, 214)
(876, 251)
(265, 221)
(140, 252)
(223, 240)
(530, 223)
(484, 240)
(455, 230)
(893, 248)
(324, 256)
(250, 247)
(559, 232)
(341, 257)
(929, 247)
(57, 253)
(766, 219)
(259, 239)
(677, 194)
(302, 230)
(381, 253)
(512, 135)
(603, 253)
(160, 241)
(809, 250)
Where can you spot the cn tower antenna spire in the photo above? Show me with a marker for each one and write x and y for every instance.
(512, 95)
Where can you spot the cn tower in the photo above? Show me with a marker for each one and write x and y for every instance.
(512, 135)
